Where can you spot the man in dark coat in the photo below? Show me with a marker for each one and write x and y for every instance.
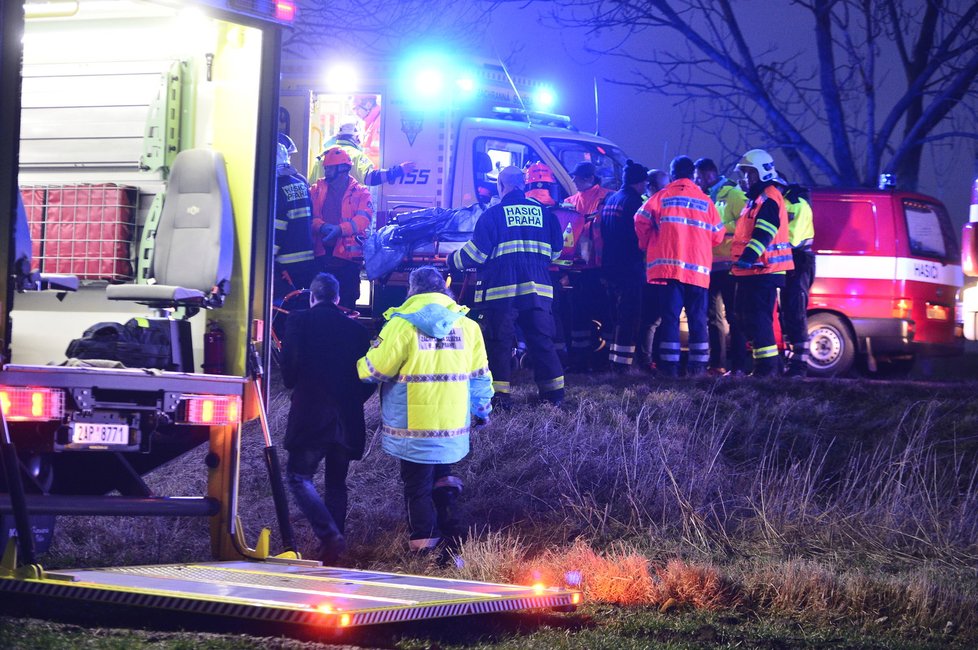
(321, 349)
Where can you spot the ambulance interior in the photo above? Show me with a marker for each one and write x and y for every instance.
(112, 91)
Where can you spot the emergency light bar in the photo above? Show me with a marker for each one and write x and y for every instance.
(31, 404)
(537, 117)
(210, 409)
(282, 11)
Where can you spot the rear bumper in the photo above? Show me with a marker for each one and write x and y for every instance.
(892, 337)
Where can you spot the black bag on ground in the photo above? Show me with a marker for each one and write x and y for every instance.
(139, 343)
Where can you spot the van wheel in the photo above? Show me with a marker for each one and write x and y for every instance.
(831, 348)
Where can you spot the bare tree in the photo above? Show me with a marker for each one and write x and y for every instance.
(327, 26)
(827, 72)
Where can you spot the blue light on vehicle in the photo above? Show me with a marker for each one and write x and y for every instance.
(544, 98)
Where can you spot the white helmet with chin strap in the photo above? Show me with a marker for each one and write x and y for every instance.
(762, 162)
(349, 125)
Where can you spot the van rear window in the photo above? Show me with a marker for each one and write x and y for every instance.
(929, 231)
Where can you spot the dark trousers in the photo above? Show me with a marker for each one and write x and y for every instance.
(588, 304)
(625, 298)
(289, 277)
(430, 494)
(754, 305)
(676, 296)
(794, 305)
(326, 515)
(649, 333)
(537, 325)
(720, 315)
(347, 273)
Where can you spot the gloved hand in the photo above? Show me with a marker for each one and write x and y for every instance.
(330, 233)
(479, 423)
(740, 264)
(408, 167)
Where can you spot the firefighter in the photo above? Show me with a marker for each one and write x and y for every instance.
(540, 181)
(431, 362)
(587, 299)
(798, 281)
(513, 245)
(762, 255)
(678, 228)
(295, 264)
(341, 211)
(348, 138)
(730, 201)
(622, 264)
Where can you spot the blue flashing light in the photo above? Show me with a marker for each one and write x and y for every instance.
(544, 98)
(466, 85)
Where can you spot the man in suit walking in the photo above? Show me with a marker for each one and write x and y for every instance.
(320, 353)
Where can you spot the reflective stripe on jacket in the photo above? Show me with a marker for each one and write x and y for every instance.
(512, 246)
(801, 221)
(678, 228)
(354, 218)
(293, 212)
(431, 362)
(730, 201)
(752, 233)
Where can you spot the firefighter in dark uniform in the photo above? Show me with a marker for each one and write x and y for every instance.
(295, 264)
(513, 245)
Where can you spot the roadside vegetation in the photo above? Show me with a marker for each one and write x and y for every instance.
(836, 513)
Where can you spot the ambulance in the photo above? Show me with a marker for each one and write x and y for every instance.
(459, 123)
(887, 273)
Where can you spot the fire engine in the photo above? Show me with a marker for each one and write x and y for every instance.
(137, 178)
(887, 272)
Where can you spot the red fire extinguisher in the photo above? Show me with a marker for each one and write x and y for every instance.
(214, 349)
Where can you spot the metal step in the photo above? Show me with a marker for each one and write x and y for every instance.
(290, 591)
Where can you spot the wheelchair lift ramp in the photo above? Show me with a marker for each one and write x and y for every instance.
(291, 592)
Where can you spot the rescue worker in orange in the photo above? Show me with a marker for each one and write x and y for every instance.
(762, 256)
(341, 212)
(678, 228)
(730, 201)
(587, 295)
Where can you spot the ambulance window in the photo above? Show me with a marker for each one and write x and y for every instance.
(491, 155)
(608, 160)
(929, 231)
(848, 226)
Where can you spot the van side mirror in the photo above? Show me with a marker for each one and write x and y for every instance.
(969, 249)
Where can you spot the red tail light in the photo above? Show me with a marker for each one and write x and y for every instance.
(903, 308)
(38, 404)
(285, 10)
(210, 409)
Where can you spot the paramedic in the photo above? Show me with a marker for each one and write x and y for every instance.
(730, 200)
(431, 363)
(348, 138)
(678, 228)
(326, 417)
(513, 245)
(341, 211)
(762, 255)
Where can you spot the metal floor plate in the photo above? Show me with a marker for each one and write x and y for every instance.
(303, 593)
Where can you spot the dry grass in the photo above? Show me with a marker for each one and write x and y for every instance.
(828, 500)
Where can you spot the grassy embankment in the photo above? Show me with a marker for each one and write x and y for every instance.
(811, 513)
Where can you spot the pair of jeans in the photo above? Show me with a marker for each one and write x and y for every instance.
(327, 516)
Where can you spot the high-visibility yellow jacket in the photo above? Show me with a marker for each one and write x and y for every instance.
(730, 201)
(678, 228)
(801, 221)
(431, 362)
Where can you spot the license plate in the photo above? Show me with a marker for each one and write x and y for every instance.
(938, 312)
(98, 434)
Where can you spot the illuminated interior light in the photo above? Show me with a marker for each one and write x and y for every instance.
(342, 78)
(544, 99)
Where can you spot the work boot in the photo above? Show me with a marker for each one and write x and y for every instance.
(445, 496)
(797, 369)
(331, 548)
(696, 370)
(769, 367)
(555, 397)
(668, 370)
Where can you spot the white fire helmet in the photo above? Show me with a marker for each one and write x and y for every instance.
(762, 162)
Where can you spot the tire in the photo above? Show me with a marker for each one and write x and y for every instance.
(831, 346)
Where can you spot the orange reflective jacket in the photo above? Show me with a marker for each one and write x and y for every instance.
(678, 228)
(776, 256)
(353, 220)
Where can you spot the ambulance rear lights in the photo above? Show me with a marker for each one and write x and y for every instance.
(22, 404)
(903, 308)
(210, 409)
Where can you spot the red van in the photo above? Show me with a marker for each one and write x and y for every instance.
(887, 271)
